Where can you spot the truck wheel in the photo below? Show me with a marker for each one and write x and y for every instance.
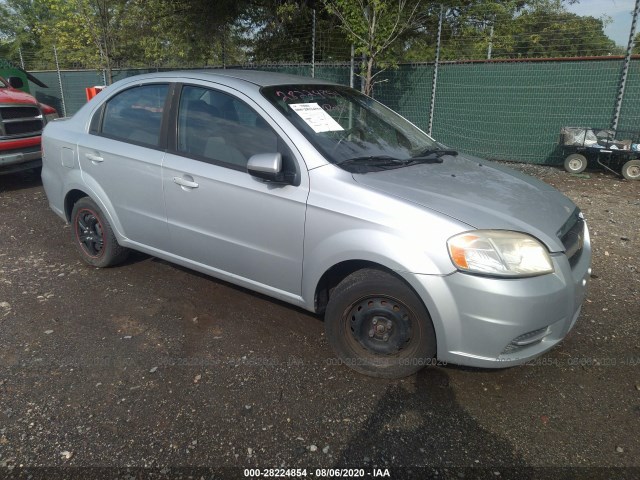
(575, 163)
(93, 237)
(378, 326)
(631, 170)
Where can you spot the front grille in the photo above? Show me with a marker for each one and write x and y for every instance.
(572, 237)
(10, 113)
(20, 121)
(19, 128)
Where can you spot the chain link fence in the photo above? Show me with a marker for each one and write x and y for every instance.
(492, 96)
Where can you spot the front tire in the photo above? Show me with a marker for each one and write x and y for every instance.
(93, 236)
(378, 326)
(631, 170)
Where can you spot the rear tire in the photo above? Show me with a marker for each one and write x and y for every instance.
(378, 326)
(631, 170)
(575, 163)
(93, 236)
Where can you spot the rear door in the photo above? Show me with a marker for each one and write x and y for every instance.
(122, 153)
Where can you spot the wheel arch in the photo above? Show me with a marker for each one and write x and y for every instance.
(70, 200)
(338, 272)
(77, 188)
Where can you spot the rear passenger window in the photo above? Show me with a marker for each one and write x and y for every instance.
(135, 115)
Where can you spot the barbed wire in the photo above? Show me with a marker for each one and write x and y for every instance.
(318, 43)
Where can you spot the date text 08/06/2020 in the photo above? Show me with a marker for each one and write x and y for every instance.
(318, 472)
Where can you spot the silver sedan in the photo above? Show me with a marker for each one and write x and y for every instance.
(317, 195)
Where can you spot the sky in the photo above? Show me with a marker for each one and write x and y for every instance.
(620, 12)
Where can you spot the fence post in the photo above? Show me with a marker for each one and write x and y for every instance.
(625, 69)
(432, 103)
(313, 45)
(21, 58)
(64, 106)
(224, 46)
(352, 65)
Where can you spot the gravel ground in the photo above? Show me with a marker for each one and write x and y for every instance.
(151, 365)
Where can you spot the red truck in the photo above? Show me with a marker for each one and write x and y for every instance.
(22, 119)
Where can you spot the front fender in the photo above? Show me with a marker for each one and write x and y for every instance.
(403, 255)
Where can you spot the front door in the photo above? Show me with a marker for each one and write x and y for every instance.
(219, 215)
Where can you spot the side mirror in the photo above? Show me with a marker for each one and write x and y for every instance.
(15, 82)
(267, 166)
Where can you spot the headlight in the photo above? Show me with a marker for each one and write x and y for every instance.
(51, 117)
(499, 252)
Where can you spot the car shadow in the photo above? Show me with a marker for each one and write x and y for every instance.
(418, 428)
(233, 286)
(133, 258)
(19, 180)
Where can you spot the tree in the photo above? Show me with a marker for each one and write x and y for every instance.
(103, 34)
(19, 22)
(467, 30)
(558, 33)
(89, 32)
(197, 32)
(636, 44)
(282, 31)
(374, 26)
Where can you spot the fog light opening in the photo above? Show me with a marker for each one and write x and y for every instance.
(526, 339)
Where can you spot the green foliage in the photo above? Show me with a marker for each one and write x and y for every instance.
(511, 29)
(374, 26)
(541, 33)
(105, 34)
(280, 31)
(19, 22)
(636, 44)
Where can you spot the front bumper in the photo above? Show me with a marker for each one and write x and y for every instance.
(477, 318)
(22, 159)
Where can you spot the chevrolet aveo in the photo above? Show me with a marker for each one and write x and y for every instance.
(312, 193)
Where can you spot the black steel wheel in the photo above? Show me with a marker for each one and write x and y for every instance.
(575, 163)
(631, 170)
(93, 236)
(378, 326)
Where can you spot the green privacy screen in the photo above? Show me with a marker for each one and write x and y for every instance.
(497, 110)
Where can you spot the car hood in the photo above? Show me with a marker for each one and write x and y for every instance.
(481, 194)
(10, 95)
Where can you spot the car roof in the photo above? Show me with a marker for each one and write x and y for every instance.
(256, 77)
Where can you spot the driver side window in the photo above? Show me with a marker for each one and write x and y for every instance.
(216, 127)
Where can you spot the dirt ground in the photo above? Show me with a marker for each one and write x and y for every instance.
(155, 367)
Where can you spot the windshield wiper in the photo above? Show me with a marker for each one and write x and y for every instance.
(370, 163)
(430, 155)
(434, 153)
(372, 160)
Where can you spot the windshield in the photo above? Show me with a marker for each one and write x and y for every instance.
(2, 83)
(348, 127)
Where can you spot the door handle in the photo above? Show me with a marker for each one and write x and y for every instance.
(94, 158)
(183, 182)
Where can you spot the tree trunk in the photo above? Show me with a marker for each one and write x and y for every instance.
(368, 80)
